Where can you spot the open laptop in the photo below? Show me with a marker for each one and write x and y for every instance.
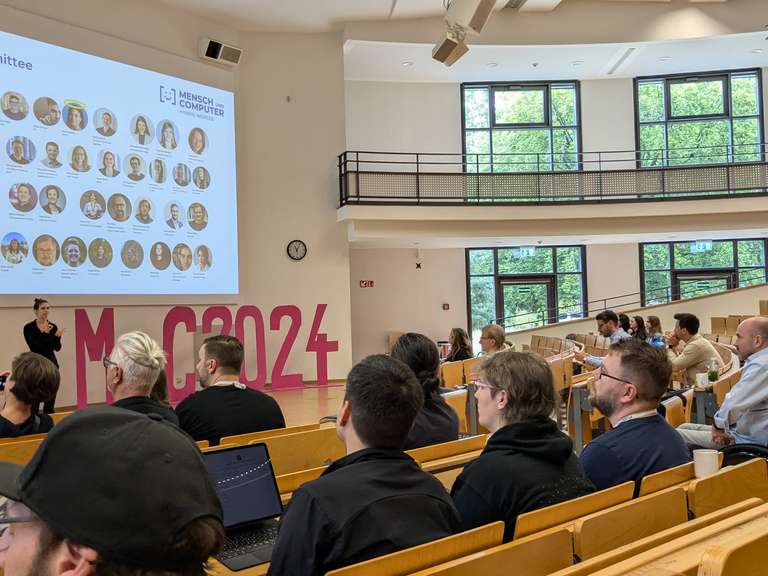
(246, 485)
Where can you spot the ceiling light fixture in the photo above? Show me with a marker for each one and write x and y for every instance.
(407, 63)
(577, 63)
(757, 51)
(492, 64)
(665, 59)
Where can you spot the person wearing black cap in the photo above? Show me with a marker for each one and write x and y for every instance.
(110, 492)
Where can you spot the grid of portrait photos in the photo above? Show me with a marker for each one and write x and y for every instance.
(141, 182)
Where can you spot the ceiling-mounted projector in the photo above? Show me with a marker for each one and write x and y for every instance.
(451, 48)
(469, 15)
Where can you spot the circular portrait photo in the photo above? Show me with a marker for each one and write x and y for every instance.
(109, 163)
(14, 105)
(45, 249)
(92, 204)
(173, 212)
(75, 116)
(167, 134)
(73, 251)
(198, 141)
(197, 216)
(20, 149)
(14, 248)
(157, 170)
(144, 211)
(23, 197)
(132, 254)
(100, 253)
(47, 111)
(201, 178)
(78, 159)
(134, 167)
(51, 159)
(105, 121)
(182, 257)
(181, 174)
(160, 255)
(52, 200)
(203, 258)
(119, 207)
(142, 129)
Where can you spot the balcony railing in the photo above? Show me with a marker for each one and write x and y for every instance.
(545, 178)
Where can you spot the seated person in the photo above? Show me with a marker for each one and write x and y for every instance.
(492, 340)
(32, 380)
(376, 499)
(608, 326)
(697, 350)
(436, 421)
(743, 417)
(627, 389)
(131, 372)
(528, 463)
(461, 346)
(225, 407)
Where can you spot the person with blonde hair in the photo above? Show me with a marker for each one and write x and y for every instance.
(492, 340)
(132, 369)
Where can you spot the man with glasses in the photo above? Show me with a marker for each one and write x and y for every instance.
(109, 492)
(131, 372)
(492, 340)
(608, 327)
(627, 390)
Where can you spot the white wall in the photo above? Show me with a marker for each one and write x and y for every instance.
(612, 270)
(607, 122)
(287, 185)
(404, 298)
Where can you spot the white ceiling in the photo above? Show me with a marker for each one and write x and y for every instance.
(396, 62)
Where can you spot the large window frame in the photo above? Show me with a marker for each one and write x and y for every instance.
(669, 119)
(493, 125)
(738, 274)
(501, 278)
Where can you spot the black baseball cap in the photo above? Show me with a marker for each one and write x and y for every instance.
(123, 483)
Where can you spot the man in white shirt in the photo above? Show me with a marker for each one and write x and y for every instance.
(608, 327)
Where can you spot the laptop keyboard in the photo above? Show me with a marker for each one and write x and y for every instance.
(244, 542)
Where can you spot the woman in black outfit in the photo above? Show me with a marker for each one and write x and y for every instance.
(44, 337)
(436, 422)
(461, 347)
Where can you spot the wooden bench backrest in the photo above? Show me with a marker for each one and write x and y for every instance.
(625, 523)
(59, 416)
(717, 324)
(470, 367)
(452, 374)
(19, 452)
(535, 556)
(592, 565)
(429, 554)
(728, 486)
(689, 400)
(287, 483)
(666, 478)
(303, 450)
(538, 520)
(675, 414)
(720, 388)
(251, 436)
(745, 557)
(27, 438)
(203, 444)
(446, 449)
(458, 401)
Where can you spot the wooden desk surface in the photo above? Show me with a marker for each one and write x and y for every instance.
(218, 569)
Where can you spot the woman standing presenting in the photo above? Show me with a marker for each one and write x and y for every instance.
(44, 337)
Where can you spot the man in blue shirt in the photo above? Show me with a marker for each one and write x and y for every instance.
(743, 417)
(627, 389)
(608, 327)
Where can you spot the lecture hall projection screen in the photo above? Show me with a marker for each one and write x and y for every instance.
(114, 179)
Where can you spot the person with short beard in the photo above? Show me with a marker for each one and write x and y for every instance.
(628, 386)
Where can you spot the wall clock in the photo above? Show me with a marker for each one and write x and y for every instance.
(296, 250)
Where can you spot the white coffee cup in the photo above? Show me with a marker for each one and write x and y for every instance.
(702, 379)
(705, 462)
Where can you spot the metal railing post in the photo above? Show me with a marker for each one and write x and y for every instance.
(418, 185)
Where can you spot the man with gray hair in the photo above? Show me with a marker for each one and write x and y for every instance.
(132, 370)
(743, 416)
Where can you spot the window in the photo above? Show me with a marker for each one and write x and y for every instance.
(521, 127)
(524, 287)
(679, 270)
(709, 118)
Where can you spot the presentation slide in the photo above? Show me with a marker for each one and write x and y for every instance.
(116, 180)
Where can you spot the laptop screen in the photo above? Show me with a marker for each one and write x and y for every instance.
(245, 483)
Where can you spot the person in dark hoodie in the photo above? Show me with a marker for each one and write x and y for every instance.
(528, 463)
(436, 421)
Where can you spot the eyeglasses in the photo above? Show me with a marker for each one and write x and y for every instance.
(481, 384)
(601, 373)
(7, 516)
(107, 363)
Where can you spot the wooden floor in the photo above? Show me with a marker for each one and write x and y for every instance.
(307, 405)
